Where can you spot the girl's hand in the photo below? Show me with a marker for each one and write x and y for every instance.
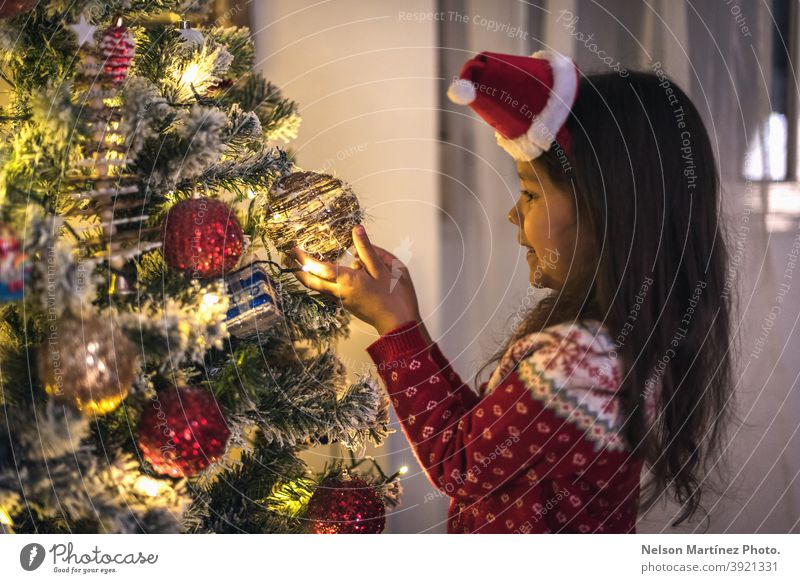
(376, 289)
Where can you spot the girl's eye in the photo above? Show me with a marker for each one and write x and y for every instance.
(528, 195)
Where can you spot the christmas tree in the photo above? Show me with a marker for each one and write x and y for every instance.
(160, 370)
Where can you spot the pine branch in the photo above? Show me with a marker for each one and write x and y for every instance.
(316, 317)
(238, 42)
(257, 170)
(115, 432)
(278, 115)
(156, 48)
(107, 492)
(18, 336)
(105, 10)
(44, 52)
(294, 400)
(238, 501)
(193, 144)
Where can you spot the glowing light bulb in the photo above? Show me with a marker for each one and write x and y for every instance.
(190, 75)
(147, 486)
(206, 310)
(403, 470)
(5, 518)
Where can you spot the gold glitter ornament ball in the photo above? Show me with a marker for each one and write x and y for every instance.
(87, 363)
(316, 212)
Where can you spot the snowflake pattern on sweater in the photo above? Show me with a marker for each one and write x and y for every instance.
(539, 450)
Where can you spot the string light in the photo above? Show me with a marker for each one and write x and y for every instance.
(198, 75)
(190, 75)
(211, 306)
(400, 472)
(147, 486)
(5, 518)
(210, 299)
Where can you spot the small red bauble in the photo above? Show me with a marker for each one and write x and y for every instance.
(182, 432)
(221, 85)
(346, 506)
(118, 48)
(202, 238)
(12, 8)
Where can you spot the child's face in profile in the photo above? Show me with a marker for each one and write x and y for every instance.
(547, 225)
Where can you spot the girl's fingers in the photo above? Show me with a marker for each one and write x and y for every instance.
(311, 281)
(389, 260)
(338, 276)
(369, 257)
(289, 260)
(319, 268)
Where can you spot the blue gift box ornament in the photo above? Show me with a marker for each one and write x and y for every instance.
(253, 301)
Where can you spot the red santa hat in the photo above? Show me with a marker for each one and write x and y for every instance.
(525, 99)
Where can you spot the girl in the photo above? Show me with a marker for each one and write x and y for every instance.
(625, 364)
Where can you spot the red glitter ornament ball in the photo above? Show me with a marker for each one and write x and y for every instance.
(118, 48)
(182, 432)
(202, 238)
(346, 506)
(12, 8)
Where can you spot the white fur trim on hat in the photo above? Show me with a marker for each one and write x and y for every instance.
(461, 92)
(545, 125)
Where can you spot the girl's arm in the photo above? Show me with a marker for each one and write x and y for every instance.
(470, 447)
(461, 389)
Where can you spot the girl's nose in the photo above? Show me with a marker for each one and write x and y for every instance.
(513, 215)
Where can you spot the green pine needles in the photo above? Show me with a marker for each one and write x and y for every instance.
(195, 120)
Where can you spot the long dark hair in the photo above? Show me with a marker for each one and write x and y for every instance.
(645, 183)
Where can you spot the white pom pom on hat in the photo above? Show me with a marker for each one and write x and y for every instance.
(461, 92)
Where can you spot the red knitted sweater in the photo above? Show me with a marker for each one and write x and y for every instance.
(538, 451)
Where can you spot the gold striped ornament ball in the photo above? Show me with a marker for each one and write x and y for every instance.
(87, 363)
(316, 212)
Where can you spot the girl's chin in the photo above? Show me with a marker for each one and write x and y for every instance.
(535, 277)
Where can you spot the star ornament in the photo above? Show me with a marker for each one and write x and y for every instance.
(84, 31)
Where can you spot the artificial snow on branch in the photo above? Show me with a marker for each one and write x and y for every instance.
(180, 331)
